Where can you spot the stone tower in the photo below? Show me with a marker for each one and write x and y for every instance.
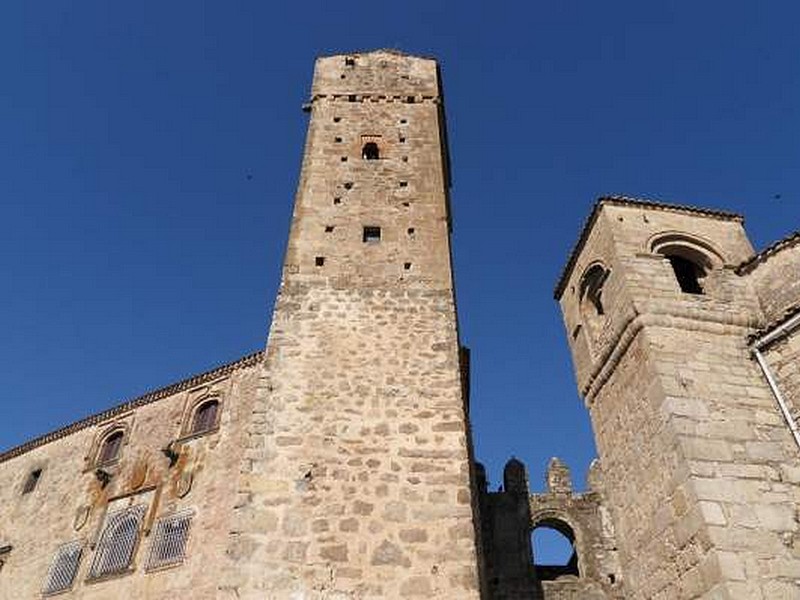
(699, 467)
(357, 482)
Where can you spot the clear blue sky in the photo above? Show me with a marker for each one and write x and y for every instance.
(136, 250)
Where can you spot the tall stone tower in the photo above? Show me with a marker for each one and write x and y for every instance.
(357, 481)
(700, 470)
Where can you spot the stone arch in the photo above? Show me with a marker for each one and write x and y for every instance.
(559, 522)
(192, 426)
(108, 446)
(690, 257)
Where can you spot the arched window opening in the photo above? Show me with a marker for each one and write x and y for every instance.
(109, 448)
(117, 543)
(554, 551)
(691, 259)
(592, 288)
(370, 151)
(688, 274)
(205, 417)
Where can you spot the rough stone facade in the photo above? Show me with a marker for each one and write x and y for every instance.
(337, 464)
(700, 466)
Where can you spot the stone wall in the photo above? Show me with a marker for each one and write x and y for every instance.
(693, 446)
(357, 477)
(69, 502)
(512, 513)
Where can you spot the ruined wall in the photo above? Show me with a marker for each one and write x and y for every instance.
(356, 482)
(69, 503)
(511, 514)
(687, 430)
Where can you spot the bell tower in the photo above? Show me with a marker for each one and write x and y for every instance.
(358, 479)
(695, 456)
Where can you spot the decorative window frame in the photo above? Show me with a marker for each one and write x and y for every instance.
(93, 458)
(187, 421)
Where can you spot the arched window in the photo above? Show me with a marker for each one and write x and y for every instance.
(205, 417)
(370, 151)
(109, 448)
(591, 289)
(117, 543)
(554, 551)
(691, 260)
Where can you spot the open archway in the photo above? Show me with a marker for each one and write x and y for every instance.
(554, 550)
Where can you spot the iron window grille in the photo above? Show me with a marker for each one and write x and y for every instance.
(117, 544)
(64, 568)
(168, 541)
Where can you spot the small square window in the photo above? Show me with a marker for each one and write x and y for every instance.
(411, 231)
(372, 234)
(403, 121)
(351, 98)
(337, 119)
(410, 100)
(348, 185)
(349, 61)
(402, 139)
(407, 266)
(319, 261)
(337, 139)
(344, 159)
(337, 200)
(403, 184)
(328, 228)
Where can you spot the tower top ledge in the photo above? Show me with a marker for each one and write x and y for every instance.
(642, 203)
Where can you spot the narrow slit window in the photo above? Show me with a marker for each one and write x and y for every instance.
(32, 481)
(168, 545)
(372, 234)
(63, 569)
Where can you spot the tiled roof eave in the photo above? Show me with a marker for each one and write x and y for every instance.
(153, 396)
(619, 200)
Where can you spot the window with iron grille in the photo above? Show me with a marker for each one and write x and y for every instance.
(65, 566)
(168, 545)
(114, 552)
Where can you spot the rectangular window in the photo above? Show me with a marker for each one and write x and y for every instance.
(168, 545)
(372, 235)
(117, 545)
(64, 568)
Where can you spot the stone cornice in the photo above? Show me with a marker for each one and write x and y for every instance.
(632, 202)
(687, 320)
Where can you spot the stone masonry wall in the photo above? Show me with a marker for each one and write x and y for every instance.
(686, 428)
(357, 476)
(69, 503)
